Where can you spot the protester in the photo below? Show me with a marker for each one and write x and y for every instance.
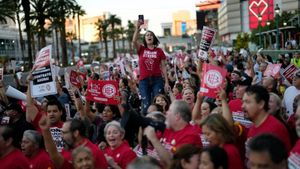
(10, 156)
(152, 65)
(268, 151)
(118, 154)
(74, 136)
(213, 157)
(290, 93)
(186, 157)
(219, 133)
(82, 157)
(144, 162)
(32, 148)
(255, 105)
(179, 132)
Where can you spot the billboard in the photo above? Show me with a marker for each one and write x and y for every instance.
(263, 8)
(208, 4)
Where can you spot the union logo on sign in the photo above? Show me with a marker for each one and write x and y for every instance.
(109, 90)
(255, 5)
(213, 78)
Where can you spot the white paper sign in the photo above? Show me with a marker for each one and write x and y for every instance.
(43, 82)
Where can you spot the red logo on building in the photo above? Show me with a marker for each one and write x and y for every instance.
(263, 8)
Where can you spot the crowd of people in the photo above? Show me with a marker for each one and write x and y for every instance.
(163, 120)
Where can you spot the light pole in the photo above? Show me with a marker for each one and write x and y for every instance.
(259, 27)
(277, 10)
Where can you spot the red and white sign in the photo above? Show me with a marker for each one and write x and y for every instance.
(103, 91)
(289, 72)
(43, 58)
(207, 39)
(263, 8)
(272, 70)
(74, 79)
(212, 79)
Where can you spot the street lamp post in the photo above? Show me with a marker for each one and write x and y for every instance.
(277, 10)
(259, 27)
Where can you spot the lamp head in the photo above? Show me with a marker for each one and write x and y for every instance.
(277, 9)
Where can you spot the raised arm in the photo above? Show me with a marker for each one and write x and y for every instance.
(135, 38)
(164, 71)
(196, 112)
(163, 154)
(31, 109)
(225, 108)
(56, 157)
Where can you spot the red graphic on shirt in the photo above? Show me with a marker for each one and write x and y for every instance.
(149, 64)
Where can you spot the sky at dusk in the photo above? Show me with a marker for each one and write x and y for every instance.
(156, 11)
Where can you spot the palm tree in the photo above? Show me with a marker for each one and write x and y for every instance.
(7, 10)
(79, 12)
(26, 10)
(70, 37)
(18, 9)
(130, 31)
(101, 26)
(113, 20)
(41, 13)
(59, 11)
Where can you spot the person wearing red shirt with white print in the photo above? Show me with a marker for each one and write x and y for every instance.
(31, 147)
(179, 132)
(152, 65)
(10, 156)
(255, 105)
(54, 112)
(118, 154)
(73, 135)
(294, 157)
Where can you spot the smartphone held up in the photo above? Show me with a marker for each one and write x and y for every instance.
(141, 19)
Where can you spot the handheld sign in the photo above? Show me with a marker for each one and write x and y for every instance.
(212, 79)
(272, 70)
(289, 72)
(74, 79)
(43, 82)
(207, 39)
(104, 91)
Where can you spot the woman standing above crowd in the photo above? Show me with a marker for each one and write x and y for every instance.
(152, 66)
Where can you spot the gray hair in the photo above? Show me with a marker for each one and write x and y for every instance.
(115, 124)
(145, 162)
(183, 109)
(33, 136)
(80, 149)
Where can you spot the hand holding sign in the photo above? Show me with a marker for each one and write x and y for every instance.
(212, 79)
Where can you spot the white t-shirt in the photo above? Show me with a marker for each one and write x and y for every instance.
(288, 99)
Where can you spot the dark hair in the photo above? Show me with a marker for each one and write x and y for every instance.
(185, 152)
(55, 102)
(155, 40)
(270, 144)
(211, 105)
(261, 94)
(8, 133)
(77, 124)
(218, 156)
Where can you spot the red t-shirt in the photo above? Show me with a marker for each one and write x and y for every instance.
(122, 155)
(190, 134)
(234, 158)
(41, 160)
(294, 158)
(99, 159)
(272, 126)
(55, 131)
(14, 160)
(149, 62)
